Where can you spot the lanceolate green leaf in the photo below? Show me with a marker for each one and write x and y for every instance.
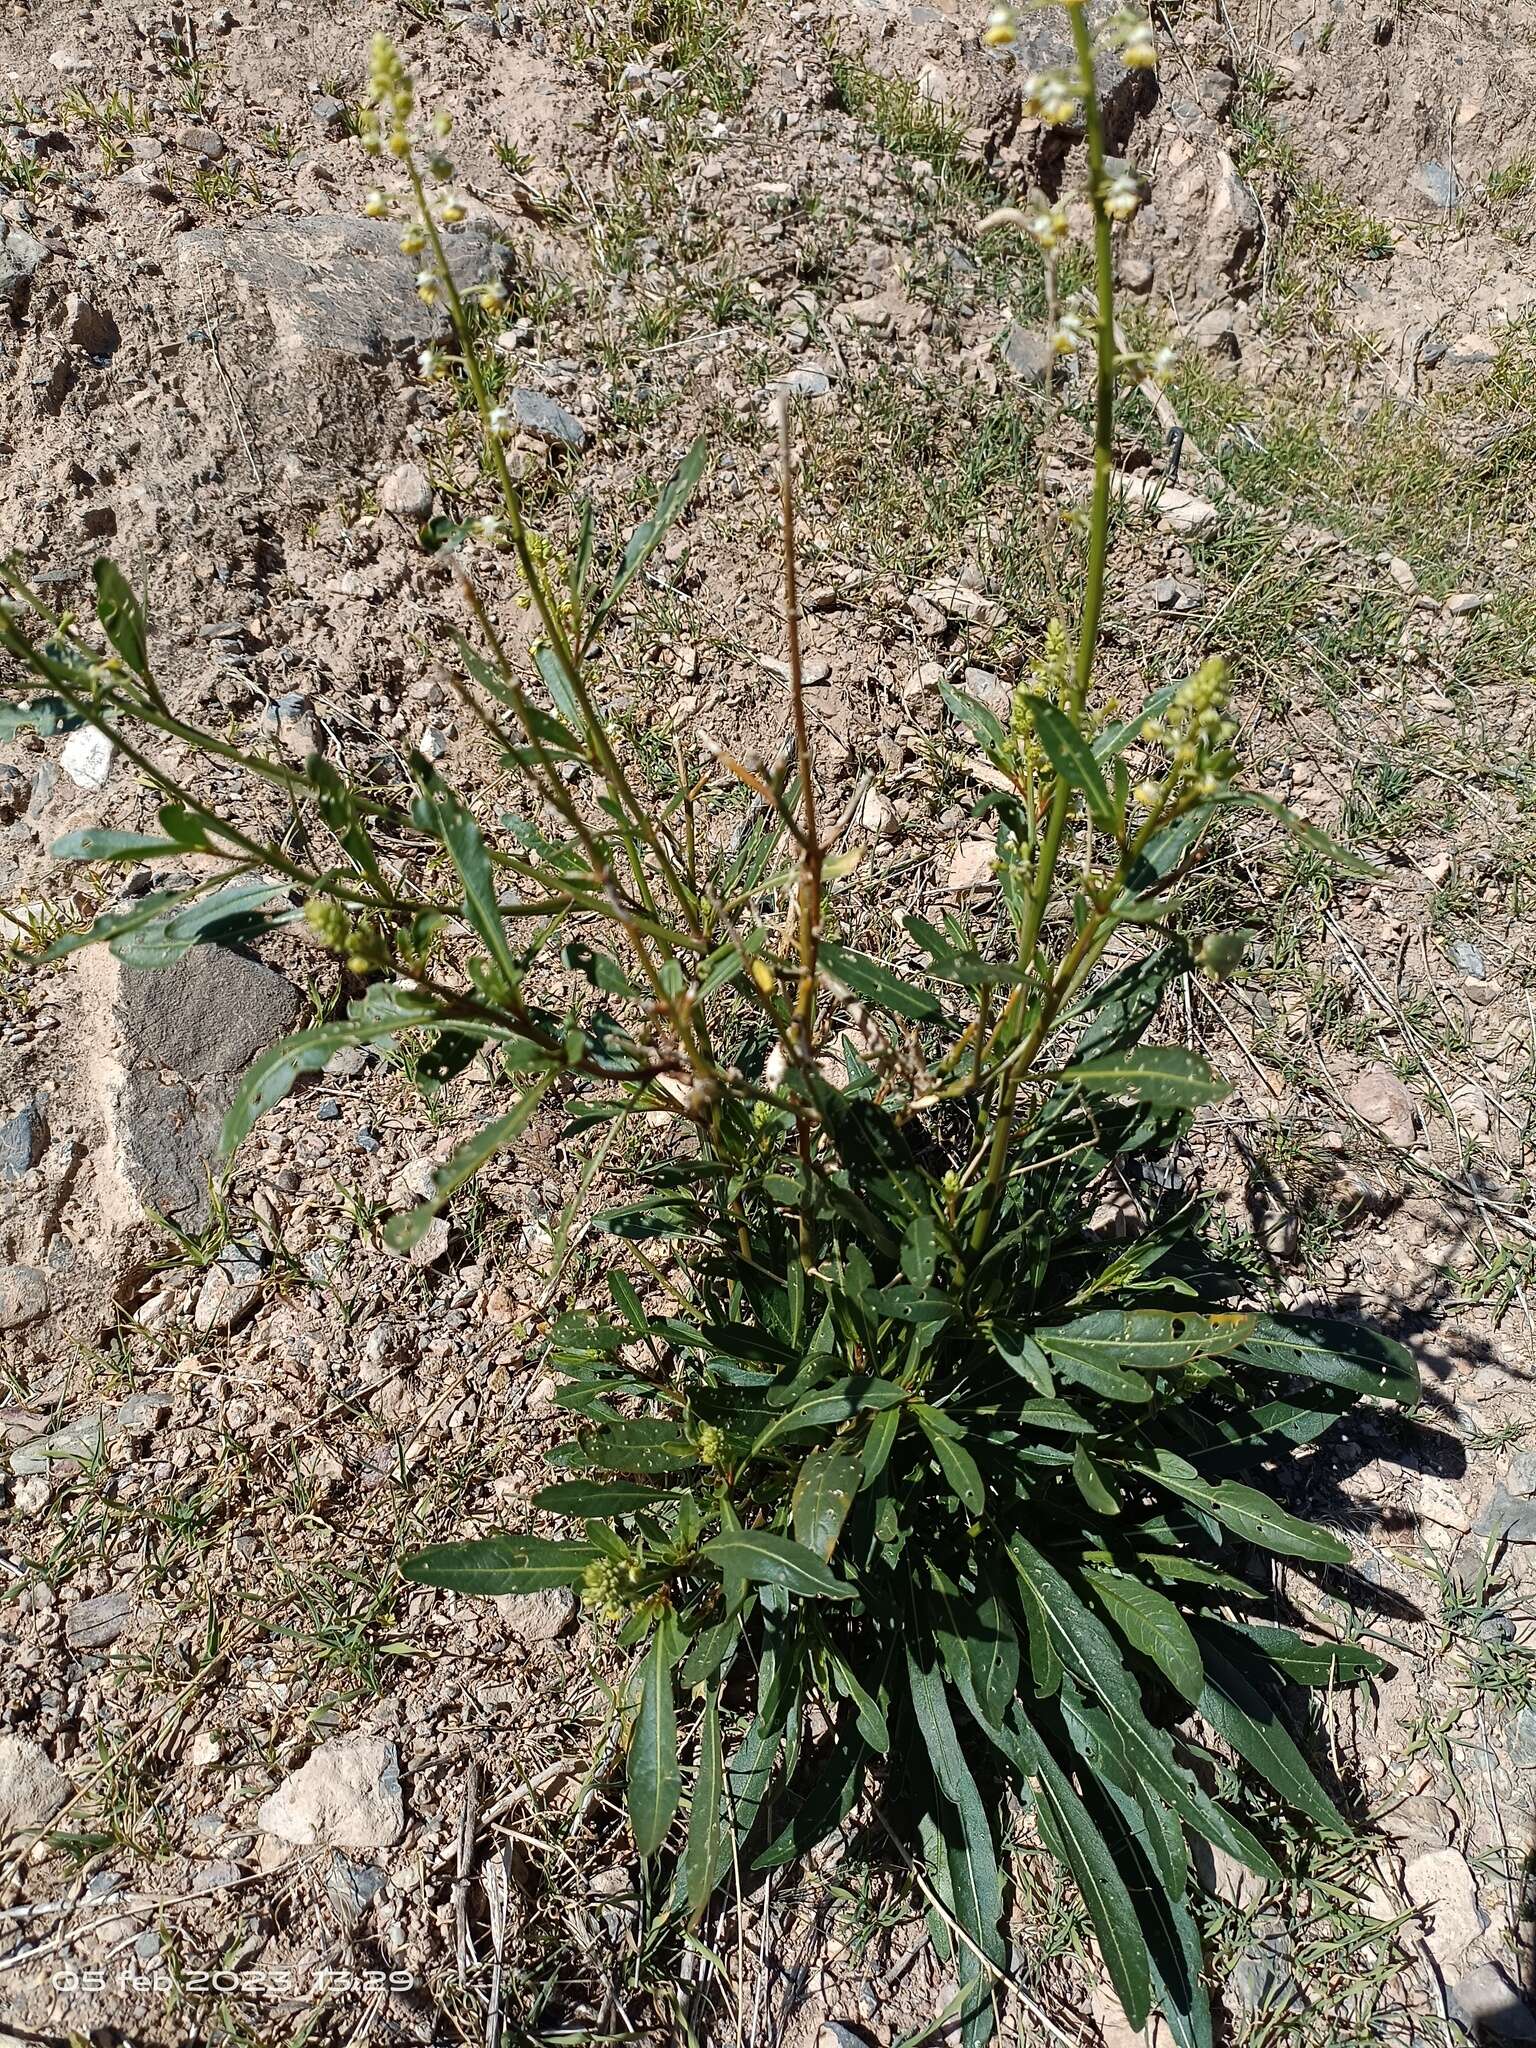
(706, 1816)
(500, 1564)
(1146, 1340)
(272, 1074)
(1248, 1513)
(675, 494)
(460, 835)
(955, 1462)
(1152, 1624)
(1165, 1076)
(1087, 1651)
(875, 981)
(1306, 834)
(599, 1497)
(824, 1493)
(1067, 1828)
(972, 1859)
(1338, 1354)
(1249, 1721)
(402, 1232)
(1070, 754)
(654, 1779)
(768, 1560)
(121, 615)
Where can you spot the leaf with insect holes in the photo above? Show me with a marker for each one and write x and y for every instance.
(1335, 1354)
(955, 1461)
(824, 1492)
(1247, 1512)
(1163, 1076)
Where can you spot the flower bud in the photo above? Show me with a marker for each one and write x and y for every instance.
(376, 205)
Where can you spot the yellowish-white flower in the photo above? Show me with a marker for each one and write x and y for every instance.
(452, 211)
(1053, 97)
(1002, 27)
(501, 422)
(1140, 51)
(1122, 196)
(428, 290)
(489, 527)
(412, 240)
(1048, 227)
(493, 299)
(376, 205)
(1164, 362)
(432, 363)
(1069, 332)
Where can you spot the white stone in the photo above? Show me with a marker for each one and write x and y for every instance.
(1441, 1513)
(1379, 1098)
(1178, 511)
(347, 1796)
(87, 758)
(532, 1618)
(1440, 1883)
(32, 1789)
(407, 492)
(970, 866)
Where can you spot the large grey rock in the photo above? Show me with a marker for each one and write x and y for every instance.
(96, 1623)
(543, 419)
(310, 311)
(1514, 1520)
(23, 1297)
(231, 1289)
(66, 1449)
(1490, 2008)
(184, 1035)
(347, 1796)
(32, 1789)
(331, 281)
(23, 1140)
(21, 255)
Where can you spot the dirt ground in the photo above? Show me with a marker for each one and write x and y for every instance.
(285, 1798)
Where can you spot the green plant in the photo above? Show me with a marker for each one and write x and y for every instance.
(899, 1484)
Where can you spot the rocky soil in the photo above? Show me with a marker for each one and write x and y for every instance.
(252, 1788)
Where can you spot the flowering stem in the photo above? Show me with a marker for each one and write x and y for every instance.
(1087, 635)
